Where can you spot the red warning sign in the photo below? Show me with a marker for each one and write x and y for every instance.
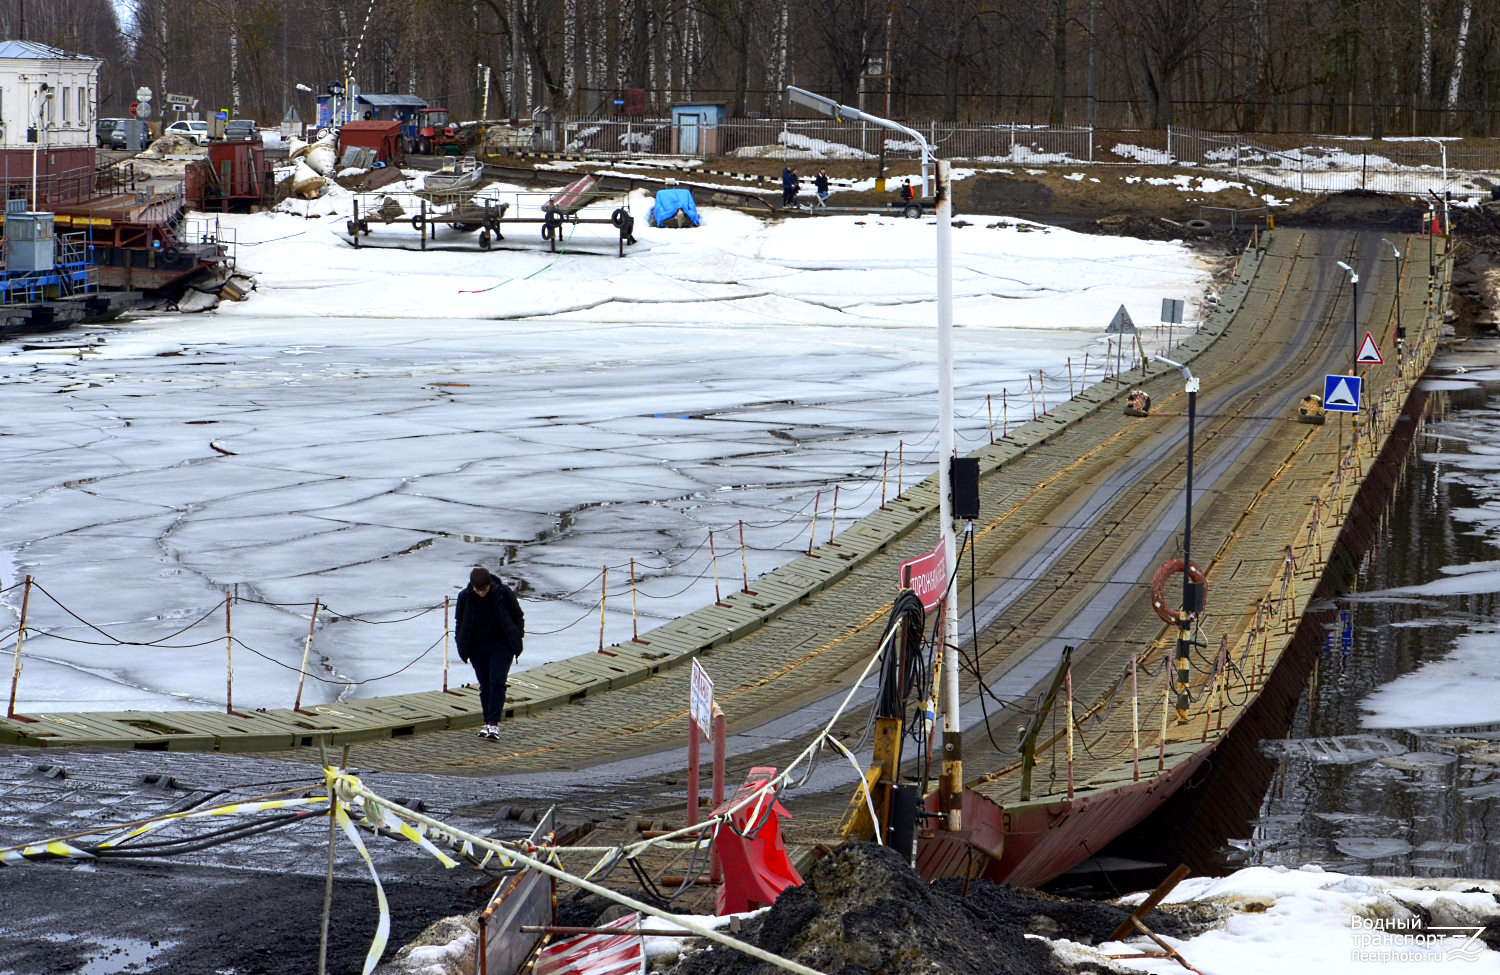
(1369, 352)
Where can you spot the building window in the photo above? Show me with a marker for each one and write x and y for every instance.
(82, 104)
(66, 95)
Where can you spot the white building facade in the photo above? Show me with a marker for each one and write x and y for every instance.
(49, 102)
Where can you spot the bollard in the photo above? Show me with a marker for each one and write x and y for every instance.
(15, 677)
(307, 649)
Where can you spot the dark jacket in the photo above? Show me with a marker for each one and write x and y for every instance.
(489, 625)
(821, 182)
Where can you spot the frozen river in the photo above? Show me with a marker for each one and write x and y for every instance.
(285, 450)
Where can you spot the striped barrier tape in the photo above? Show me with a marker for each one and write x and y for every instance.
(59, 848)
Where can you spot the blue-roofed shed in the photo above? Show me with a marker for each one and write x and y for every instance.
(695, 128)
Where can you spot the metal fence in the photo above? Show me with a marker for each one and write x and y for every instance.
(1301, 163)
(1327, 164)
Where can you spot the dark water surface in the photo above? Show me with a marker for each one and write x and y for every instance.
(1421, 797)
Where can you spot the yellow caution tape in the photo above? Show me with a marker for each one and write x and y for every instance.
(383, 928)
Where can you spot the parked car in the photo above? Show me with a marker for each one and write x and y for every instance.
(110, 133)
(195, 130)
(241, 130)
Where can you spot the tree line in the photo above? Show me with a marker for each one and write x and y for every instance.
(1419, 67)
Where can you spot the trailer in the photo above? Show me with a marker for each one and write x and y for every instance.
(488, 216)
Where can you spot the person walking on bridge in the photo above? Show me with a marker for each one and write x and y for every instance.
(489, 627)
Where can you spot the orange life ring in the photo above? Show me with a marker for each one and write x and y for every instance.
(1169, 569)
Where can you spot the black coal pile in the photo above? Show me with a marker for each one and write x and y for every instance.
(863, 911)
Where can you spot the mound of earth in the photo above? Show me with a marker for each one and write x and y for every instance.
(863, 911)
(1366, 208)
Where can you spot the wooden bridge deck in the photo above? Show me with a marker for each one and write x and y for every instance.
(1079, 507)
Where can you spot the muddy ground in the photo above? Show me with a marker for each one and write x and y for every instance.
(863, 910)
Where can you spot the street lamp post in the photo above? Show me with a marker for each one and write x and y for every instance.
(1353, 316)
(1190, 602)
(846, 113)
(951, 788)
(1400, 332)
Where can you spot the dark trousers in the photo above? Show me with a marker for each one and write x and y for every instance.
(492, 669)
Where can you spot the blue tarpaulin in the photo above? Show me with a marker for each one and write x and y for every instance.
(669, 203)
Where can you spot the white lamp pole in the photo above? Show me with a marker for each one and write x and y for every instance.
(1400, 332)
(847, 113)
(1353, 318)
(951, 787)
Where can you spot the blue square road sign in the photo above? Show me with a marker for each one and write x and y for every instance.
(1341, 393)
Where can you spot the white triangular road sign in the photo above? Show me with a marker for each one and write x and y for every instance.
(1369, 352)
(1342, 395)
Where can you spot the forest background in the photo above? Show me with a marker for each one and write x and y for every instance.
(1369, 67)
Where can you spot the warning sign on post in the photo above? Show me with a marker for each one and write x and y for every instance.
(1369, 352)
(701, 700)
(927, 575)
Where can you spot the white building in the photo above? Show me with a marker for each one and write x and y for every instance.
(49, 101)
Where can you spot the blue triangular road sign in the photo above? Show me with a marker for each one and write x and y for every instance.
(1341, 393)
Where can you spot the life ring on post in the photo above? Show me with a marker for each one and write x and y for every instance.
(1170, 570)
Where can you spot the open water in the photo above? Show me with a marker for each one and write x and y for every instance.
(1392, 765)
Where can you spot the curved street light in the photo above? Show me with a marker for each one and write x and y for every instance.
(1400, 331)
(1353, 316)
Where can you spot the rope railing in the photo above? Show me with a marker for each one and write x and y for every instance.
(1279, 603)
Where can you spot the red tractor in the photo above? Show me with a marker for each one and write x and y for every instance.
(437, 135)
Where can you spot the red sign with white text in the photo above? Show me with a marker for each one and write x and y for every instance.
(927, 576)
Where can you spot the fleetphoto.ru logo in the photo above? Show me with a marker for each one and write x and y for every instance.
(1386, 940)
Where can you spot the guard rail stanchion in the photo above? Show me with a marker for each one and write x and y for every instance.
(694, 749)
(603, 592)
(228, 654)
(15, 676)
(307, 650)
(715, 870)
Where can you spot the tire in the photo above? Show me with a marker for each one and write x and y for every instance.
(417, 223)
(351, 228)
(912, 211)
(618, 217)
(546, 231)
(1200, 226)
(170, 254)
(484, 240)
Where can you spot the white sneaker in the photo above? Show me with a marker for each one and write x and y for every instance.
(489, 731)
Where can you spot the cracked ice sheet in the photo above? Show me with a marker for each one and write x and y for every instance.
(387, 433)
